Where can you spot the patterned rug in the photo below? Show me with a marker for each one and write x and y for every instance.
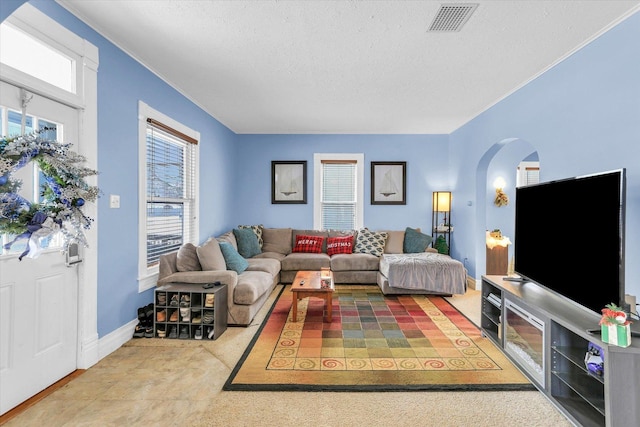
(374, 343)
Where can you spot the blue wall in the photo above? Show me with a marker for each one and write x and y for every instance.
(427, 171)
(583, 116)
(122, 82)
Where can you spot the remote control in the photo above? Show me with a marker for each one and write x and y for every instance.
(208, 286)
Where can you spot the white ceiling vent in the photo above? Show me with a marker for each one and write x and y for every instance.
(452, 16)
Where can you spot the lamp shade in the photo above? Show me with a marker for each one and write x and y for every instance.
(442, 201)
(499, 182)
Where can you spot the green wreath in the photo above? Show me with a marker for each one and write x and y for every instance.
(63, 192)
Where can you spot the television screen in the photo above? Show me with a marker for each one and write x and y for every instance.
(569, 237)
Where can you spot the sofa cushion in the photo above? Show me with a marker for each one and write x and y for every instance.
(247, 240)
(187, 259)
(370, 242)
(355, 262)
(308, 244)
(339, 245)
(232, 258)
(268, 265)
(257, 230)
(305, 261)
(251, 286)
(415, 241)
(210, 256)
(229, 237)
(394, 242)
(276, 240)
(270, 255)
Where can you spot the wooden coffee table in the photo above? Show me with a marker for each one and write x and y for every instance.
(308, 284)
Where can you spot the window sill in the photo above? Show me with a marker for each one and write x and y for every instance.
(148, 282)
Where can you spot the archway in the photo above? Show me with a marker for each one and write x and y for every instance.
(501, 159)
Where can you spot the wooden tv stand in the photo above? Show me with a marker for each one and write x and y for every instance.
(584, 398)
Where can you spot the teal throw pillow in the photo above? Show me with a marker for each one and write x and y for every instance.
(415, 241)
(247, 240)
(232, 258)
(257, 229)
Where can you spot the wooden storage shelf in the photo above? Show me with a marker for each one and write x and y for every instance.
(200, 313)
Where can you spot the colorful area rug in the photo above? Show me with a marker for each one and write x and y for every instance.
(374, 343)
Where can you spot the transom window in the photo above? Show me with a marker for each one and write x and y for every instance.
(25, 53)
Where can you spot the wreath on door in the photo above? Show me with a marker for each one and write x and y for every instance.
(64, 192)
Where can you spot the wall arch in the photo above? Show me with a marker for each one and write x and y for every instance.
(501, 158)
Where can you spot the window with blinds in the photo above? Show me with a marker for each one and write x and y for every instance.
(170, 188)
(339, 200)
(528, 173)
(531, 176)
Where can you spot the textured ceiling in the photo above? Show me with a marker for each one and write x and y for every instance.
(346, 66)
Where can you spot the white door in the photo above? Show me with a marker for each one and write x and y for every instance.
(38, 297)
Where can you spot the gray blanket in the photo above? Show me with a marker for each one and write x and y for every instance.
(426, 271)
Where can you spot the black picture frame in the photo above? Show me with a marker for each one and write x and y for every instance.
(388, 183)
(288, 181)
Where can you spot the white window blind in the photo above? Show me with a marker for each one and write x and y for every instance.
(170, 190)
(339, 200)
(531, 176)
(528, 173)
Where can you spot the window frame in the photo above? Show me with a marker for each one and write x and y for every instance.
(522, 171)
(56, 41)
(147, 276)
(318, 159)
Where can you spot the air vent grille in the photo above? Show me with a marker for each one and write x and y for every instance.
(452, 16)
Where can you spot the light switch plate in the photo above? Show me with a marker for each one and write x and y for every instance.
(114, 201)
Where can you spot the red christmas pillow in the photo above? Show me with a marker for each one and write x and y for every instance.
(340, 245)
(308, 244)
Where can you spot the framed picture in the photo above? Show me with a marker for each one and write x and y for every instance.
(388, 183)
(289, 181)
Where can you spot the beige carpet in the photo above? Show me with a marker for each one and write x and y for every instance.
(154, 382)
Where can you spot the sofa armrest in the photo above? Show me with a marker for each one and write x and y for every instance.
(229, 277)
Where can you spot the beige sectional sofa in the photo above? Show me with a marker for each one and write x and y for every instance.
(278, 260)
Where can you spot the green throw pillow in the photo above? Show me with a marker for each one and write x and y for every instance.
(414, 241)
(232, 258)
(247, 240)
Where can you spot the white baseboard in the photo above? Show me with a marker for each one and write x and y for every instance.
(113, 341)
(471, 283)
(88, 355)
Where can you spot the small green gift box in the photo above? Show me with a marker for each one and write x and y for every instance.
(619, 335)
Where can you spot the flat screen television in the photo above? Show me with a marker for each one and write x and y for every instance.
(569, 237)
